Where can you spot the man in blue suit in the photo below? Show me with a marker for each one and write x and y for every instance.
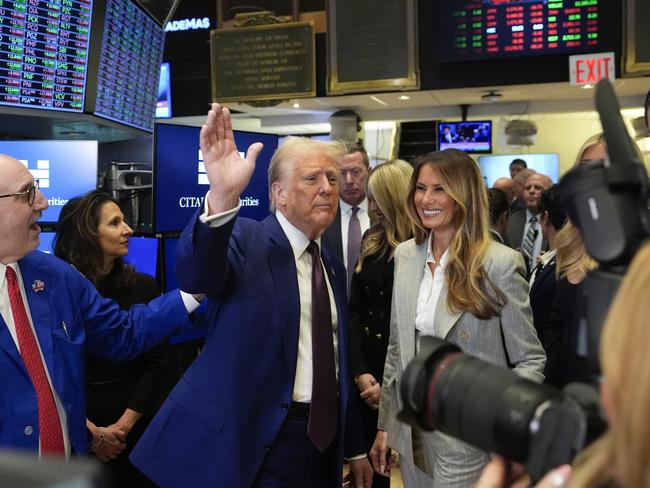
(50, 316)
(262, 405)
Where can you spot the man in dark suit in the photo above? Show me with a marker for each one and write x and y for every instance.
(50, 317)
(343, 237)
(270, 400)
(524, 229)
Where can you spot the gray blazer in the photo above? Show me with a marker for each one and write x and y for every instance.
(452, 462)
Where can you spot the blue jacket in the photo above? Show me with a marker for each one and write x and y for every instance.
(221, 419)
(72, 319)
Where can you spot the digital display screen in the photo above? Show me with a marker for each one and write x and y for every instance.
(129, 66)
(470, 137)
(474, 29)
(143, 254)
(181, 182)
(44, 53)
(494, 167)
(164, 101)
(64, 169)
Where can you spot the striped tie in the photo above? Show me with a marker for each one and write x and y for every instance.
(528, 244)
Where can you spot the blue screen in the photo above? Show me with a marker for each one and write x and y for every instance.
(469, 137)
(47, 239)
(494, 167)
(164, 101)
(180, 181)
(65, 169)
(143, 254)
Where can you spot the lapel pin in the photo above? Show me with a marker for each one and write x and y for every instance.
(38, 285)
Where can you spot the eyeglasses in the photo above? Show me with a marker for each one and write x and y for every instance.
(30, 192)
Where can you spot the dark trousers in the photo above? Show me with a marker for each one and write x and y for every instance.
(294, 462)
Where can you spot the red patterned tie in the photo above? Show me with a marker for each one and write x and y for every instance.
(323, 414)
(49, 422)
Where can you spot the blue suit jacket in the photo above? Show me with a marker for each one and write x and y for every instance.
(221, 419)
(92, 324)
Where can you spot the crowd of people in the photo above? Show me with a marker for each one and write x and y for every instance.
(313, 315)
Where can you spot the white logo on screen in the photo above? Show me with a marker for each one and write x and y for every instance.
(41, 172)
(203, 175)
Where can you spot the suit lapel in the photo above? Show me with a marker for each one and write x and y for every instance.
(444, 319)
(8, 345)
(413, 269)
(541, 274)
(283, 273)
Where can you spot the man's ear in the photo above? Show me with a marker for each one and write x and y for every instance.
(279, 194)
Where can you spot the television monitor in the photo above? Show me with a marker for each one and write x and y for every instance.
(497, 166)
(143, 254)
(130, 53)
(470, 137)
(181, 182)
(47, 242)
(164, 101)
(64, 169)
(467, 29)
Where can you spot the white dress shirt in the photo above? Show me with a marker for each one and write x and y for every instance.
(346, 215)
(430, 289)
(8, 317)
(302, 384)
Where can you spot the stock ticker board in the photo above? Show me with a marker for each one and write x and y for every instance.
(129, 65)
(44, 53)
(483, 29)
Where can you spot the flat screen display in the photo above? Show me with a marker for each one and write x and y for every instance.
(143, 254)
(164, 101)
(44, 50)
(498, 166)
(47, 242)
(470, 137)
(64, 169)
(181, 182)
(479, 29)
(129, 65)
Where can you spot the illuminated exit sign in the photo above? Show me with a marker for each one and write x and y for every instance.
(591, 68)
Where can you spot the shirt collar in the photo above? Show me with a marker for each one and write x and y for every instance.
(530, 214)
(547, 256)
(297, 239)
(345, 207)
(431, 259)
(3, 271)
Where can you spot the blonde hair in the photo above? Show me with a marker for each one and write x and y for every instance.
(468, 287)
(292, 150)
(388, 185)
(592, 141)
(570, 252)
(625, 362)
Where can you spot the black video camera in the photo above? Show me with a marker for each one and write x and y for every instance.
(492, 408)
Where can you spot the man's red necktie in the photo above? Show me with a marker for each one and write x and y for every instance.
(49, 422)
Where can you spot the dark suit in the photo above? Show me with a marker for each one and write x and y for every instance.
(224, 416)
(72, 319)
(515, 233)
(332, 238)
(542, 294)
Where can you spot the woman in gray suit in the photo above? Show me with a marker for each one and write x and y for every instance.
(454, 282)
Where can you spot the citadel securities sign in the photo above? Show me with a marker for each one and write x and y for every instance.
(591, 68)
(181, 182)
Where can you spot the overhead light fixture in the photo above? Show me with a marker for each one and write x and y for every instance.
(587, 86)
(404, 97)
(378, 100)
(296, 105)
(491, 96)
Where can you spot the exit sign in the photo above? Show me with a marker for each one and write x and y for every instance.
(591, 68)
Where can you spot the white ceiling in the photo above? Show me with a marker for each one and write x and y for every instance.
(313, 114)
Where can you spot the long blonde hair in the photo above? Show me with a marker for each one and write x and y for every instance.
(468, 287)
(570, 252)
(388, 185)
(622, 453)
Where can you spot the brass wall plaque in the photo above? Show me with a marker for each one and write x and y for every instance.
(268, 62)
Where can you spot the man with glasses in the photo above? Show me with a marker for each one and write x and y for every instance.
(50, 316)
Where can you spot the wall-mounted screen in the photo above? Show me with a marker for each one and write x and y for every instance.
(181, 182)
(470, 137)
(164, 101)
(47, 242)
(44, 49)
(473, 29)
(498, 166)
(64, 169)
(143, 254)
(129, 65)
